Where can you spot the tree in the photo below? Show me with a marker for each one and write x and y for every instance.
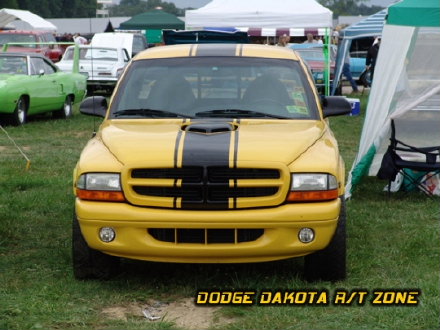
(342, 7)
(87, 8)
(12, 4)
(133, 7)
(128, 8)
(54, 8)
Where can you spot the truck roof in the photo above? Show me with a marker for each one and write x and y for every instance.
(247, 50)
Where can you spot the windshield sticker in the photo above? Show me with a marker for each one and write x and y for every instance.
(297, 109)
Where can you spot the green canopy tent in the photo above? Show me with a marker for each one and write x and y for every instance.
(153, 22)
(406, 85)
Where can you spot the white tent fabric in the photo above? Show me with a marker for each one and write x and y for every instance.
(406, 88)
(370, 27)
(36, 22)
(260, 14)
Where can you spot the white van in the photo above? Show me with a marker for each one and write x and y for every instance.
(132, 42)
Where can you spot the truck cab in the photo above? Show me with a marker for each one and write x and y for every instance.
(212, 153)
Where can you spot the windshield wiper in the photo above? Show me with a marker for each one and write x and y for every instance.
(149, 113)
(237, 113)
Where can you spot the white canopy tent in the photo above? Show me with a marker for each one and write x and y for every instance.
(406, 86)
(262, 17)
(369, 27)
(8, 16)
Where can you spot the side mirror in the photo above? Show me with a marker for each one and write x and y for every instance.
(335, 106)
(94, 106)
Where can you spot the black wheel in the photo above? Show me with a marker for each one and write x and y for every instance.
(329, 264)
(90, 90)
(365, 78)
(66, 111)
(20, 113)
(89, 263)
(4, 120)
(338, 90)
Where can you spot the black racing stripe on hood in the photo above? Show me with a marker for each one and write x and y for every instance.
(236, 145)
(176, 148)
(216, 50)
(206, 151)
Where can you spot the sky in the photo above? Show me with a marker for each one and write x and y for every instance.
(382, 3)
(200, 3)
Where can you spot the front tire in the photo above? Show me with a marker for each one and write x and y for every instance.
(89, 263)
(19, 116)
(66, 111)
(329, 264)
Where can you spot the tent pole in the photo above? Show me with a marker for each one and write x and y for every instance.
(327, 61)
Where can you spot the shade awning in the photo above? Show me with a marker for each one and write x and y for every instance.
(36, 22)
(370, 26)
(262, 14)
(153, 20)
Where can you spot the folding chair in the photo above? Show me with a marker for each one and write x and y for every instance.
(401, 156)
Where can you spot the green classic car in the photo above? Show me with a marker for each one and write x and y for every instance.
(31, 84)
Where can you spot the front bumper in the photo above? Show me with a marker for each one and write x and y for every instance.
(102, 82)
(279, 241)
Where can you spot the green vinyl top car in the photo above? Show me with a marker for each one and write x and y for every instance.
(31, 84)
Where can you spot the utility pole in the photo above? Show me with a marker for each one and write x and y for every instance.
(103, 11)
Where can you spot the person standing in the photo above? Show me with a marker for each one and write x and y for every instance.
(372, 57)
(79, 40)
(346, 71)
(283, 40)
(310, 39)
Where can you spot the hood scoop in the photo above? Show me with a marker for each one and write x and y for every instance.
(210, 128)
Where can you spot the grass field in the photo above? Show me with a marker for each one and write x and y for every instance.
(393, 244)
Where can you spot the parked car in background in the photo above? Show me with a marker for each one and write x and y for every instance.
(31, 84)
(53, 52)
(313, 55)
(357, 63)
(211, 153)
(101, 65)
(132, 42)
(175, 37)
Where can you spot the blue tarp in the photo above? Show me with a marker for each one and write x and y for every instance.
(370, 27)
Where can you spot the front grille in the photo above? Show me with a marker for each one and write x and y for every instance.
(205, 236)
(190, 174)
(213, 188)
(220, 174)
(194, 193)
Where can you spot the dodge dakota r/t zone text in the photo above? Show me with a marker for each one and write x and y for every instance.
(212, 153)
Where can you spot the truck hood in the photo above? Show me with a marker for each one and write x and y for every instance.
(171, 142)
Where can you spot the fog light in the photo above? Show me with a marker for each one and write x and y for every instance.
(107, 234)
(306, 235)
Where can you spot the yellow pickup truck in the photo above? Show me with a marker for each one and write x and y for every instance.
(212, 153)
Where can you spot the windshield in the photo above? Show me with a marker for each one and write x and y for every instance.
(101, 54)
(13, 65)
(6, 38)
(210, 86)
(316, 54)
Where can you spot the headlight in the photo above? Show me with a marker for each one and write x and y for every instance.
(100, 187)
(313, 187)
